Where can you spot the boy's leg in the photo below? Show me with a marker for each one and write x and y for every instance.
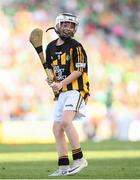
(70, 130)
(62, 150)
(61, 144)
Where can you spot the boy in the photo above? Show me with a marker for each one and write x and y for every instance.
(67, 59)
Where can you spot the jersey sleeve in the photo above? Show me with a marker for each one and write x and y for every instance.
(47, 64)
(79, 58)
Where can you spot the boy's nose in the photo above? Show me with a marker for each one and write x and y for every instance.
(67, 27)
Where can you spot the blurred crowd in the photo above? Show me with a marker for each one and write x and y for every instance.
(109, 31)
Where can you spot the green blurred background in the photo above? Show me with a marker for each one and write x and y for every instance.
(110, 32)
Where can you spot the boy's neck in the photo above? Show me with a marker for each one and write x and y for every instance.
(59, 42)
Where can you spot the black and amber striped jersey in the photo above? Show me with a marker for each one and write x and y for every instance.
(66, 58)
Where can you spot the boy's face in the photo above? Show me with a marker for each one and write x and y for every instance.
(67, 29)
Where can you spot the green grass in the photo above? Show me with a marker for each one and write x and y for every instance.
(107, 160)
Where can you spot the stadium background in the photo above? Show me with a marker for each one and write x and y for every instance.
(110, 33)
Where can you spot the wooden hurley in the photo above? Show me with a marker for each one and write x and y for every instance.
(36, 37)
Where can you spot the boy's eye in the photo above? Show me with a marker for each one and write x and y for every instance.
(65, 25)
(68, 24)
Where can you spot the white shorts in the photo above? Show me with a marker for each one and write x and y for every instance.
(71, 101)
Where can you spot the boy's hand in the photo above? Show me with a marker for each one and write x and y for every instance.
(56, 86)
(49, 81)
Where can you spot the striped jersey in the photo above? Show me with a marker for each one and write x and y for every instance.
(66, 58)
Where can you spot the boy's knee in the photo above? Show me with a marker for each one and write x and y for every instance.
(67, 118)
(57, 129)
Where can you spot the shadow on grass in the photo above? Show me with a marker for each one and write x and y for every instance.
(87, 145)
(97, 169)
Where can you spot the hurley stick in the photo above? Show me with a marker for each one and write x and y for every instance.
(36, 37)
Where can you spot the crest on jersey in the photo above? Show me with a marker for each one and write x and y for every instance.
(67, 57)
(80, 65)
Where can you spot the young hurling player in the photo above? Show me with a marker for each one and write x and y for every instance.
(68, 61)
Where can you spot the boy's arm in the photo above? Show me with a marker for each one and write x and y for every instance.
(73, 76)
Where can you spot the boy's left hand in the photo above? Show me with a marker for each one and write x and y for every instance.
(56, 86)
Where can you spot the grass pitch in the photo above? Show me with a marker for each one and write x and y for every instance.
(107, 160)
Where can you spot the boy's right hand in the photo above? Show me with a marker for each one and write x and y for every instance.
(49, 81)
